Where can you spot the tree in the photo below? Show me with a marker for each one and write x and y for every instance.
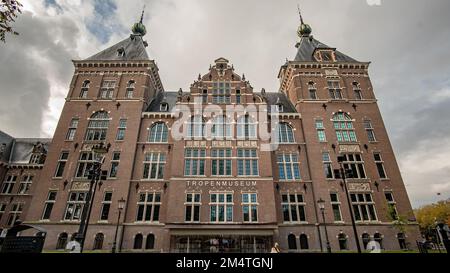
(429, 215)
(9, 10)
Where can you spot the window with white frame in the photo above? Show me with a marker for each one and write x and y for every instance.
(85, 89)
(97, 126)
(107, 89)
(335, 90)
(72, 129)
(312, 91)
(48, 205)
(363, 207)
(343, 125)
(221, 207)
(327, 165)
(25, 184)
(75, 206)
(114, 165)
(246, 127)
(221, 162)
(14, 213)
(336, 206)
(192, 207)
(158, 133)
(320, 131)
(250, 207)
(62, 161)
(130, 89)
(195, 127)
(149, 204)
(154, 164)
(164, 107)
(355, 163)
(391, 205)
(293, 207)
(221, 93)
(221, 128)
(106, 206)
(194, 162)
(369, 130)
(84, 165)
(121, 129)
(238, 97)
(247, 162)
(288, 167)
(380, 165)
(357, 91)
(8, 184)
(285, 133)
(35, 158)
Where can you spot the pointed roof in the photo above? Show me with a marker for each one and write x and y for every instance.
(133, 48)
(307, 47)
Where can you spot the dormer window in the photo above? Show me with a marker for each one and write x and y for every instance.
(121, 52)
(312, 90)
(280, 108)
(35, 159)
(130, 89)
(163, 107)
(325, 56)
(85, 89)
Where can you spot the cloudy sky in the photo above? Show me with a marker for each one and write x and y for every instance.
(407, 42)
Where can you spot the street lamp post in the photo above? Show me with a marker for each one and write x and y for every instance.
(321, 203)
(98, 155)
(120, 208)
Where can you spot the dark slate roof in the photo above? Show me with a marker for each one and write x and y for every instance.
(308, 45)
(167, 97)
(23, 148)
(6, 143)
(134, 47)
(274, 98)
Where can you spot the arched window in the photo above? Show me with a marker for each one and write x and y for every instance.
(62, 241)
(357, 91)
(98, 126)
(246, 127)
(221, 128)
(85, 89)
(195, 127)
(304, 241)
(130, 89)
(98, 241)
(342, 241)
(312, 90)
(402, 240)
(158, 133)
(378, 238)
(292, 242)
(285, 133)
(365, 239)
(150, 242)
(343, 124)
(138, 241)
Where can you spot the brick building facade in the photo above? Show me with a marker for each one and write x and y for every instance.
(219, 187)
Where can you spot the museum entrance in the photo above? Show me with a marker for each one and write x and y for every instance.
(221, 244)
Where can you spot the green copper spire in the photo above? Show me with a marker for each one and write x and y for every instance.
(139, 28)
(303, 29)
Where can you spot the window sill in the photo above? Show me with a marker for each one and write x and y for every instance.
(57, 178)
(152, 180)
(102, 222)
(385, 179)
(69, 140)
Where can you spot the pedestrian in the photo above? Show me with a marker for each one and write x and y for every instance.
(276, 248)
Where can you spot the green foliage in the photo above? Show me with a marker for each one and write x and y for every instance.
(9, 9)
(427, 216)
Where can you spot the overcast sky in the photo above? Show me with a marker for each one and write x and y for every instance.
(407, 41)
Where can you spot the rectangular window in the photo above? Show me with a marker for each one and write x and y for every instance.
(355, 163)
(14, 213)
(221, 162)
(62, 161)
(107, 90)
(221, 93)
(114, 165)
(8, 184)
(72, 129)
(75, 206)
(149, 204)
(336, 206)
(221, 207)
(106, 206)
(154, 164)
(335, 90)
(48, 206)
(370, 131)
(363, 207)
(380, 165)
(84, 165)
(121, 129)
(194, 162)
(327, 165)
(25, 184)
(192, 204)
(247, 162)
(250, 207)
(205, 96)
(358, 94)
(320, 131)
(238, 96)
(293, 207)
(288, 167)
(391, 205)
(2, 210)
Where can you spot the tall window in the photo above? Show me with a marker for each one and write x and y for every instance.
(158, 133)
(48, 206)
(250, 207)
(312, 90)
(72, 129)
(380, 165)
(195, 127)
(2, 210)
(193, 204)
(342, 241)
(327, 165)
(357, 91)
(221, 128)
(221, 93)
(148, 207)
(150, 242)
(369, 130)
(205, 96)
(98, 241)
(221, 207)
(75, 206)
(14, 213)
(107, 90)
(154, 164)
(121, 129)
(25, 184)
(130, 90)
(363, 207)
(334, 89)
(288, 167)
(194, 162)
(320, 131)
(292, 242)
(114, 165)
(247, 162)
(238, 96)
(285, 133)
(355, 163)
(62, 161)
(246, 127)
(8, 184)
(138, 239)
(343, 124)
(98, 126)
(62, 241)
(391, 205)
(293, 207)
(106, 205)
(84, 165)
(336, 206)
(85, 89)
(221, 162)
